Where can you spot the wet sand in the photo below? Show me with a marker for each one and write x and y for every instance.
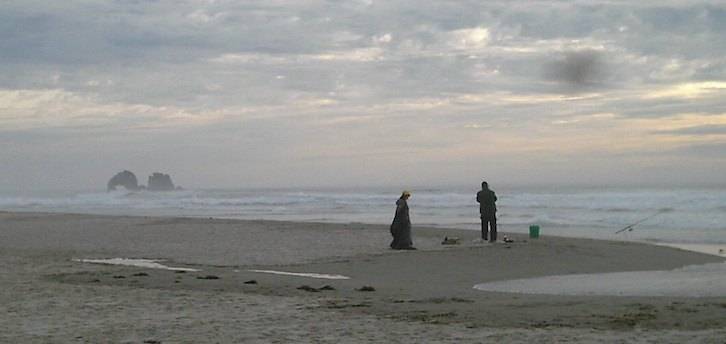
(419, 296)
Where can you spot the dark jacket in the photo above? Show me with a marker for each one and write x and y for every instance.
(401, 226)
(487, 205)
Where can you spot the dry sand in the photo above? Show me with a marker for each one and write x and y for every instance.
(420, 296)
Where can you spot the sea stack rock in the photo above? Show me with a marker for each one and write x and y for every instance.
(160, 182)
(125, 178)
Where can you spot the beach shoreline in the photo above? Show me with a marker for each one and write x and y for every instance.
(425, 295)
(718, 250)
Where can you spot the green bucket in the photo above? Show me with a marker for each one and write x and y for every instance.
(534, 231)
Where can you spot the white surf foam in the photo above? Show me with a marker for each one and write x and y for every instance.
(717, 250)
(303, 274)
(684, 215)
(708, 280)
(142, 263)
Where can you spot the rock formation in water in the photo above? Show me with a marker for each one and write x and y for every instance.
(127, 179)
(160, 182)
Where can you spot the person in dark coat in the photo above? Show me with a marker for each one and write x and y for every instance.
(488, 211)
(401, 226)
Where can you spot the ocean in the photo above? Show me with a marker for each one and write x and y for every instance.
(672, 215)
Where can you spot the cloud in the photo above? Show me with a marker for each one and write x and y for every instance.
(697, 131)
(367, 54)
(469, 39)
(689, 90)
(289, 79)
(580, 119)
(383, 39)
(26, 109)
(713, 151)
(244, 58)
(355, 55)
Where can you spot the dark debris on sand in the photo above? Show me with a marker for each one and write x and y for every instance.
(308, 288)
(341, 304)
(208, 277)
(315, 290)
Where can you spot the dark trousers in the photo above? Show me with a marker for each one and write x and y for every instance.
(489, 226)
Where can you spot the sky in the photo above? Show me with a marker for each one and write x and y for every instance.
(276, 93)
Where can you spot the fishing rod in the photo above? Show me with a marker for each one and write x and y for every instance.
(631, 226)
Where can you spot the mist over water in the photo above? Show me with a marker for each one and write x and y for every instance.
(680, 215)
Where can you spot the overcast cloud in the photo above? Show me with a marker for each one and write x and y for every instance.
(333, 93)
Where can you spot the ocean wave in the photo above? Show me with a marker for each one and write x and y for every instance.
(616, 210)
(703, 212)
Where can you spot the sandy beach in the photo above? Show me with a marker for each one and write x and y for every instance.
(51, 296)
